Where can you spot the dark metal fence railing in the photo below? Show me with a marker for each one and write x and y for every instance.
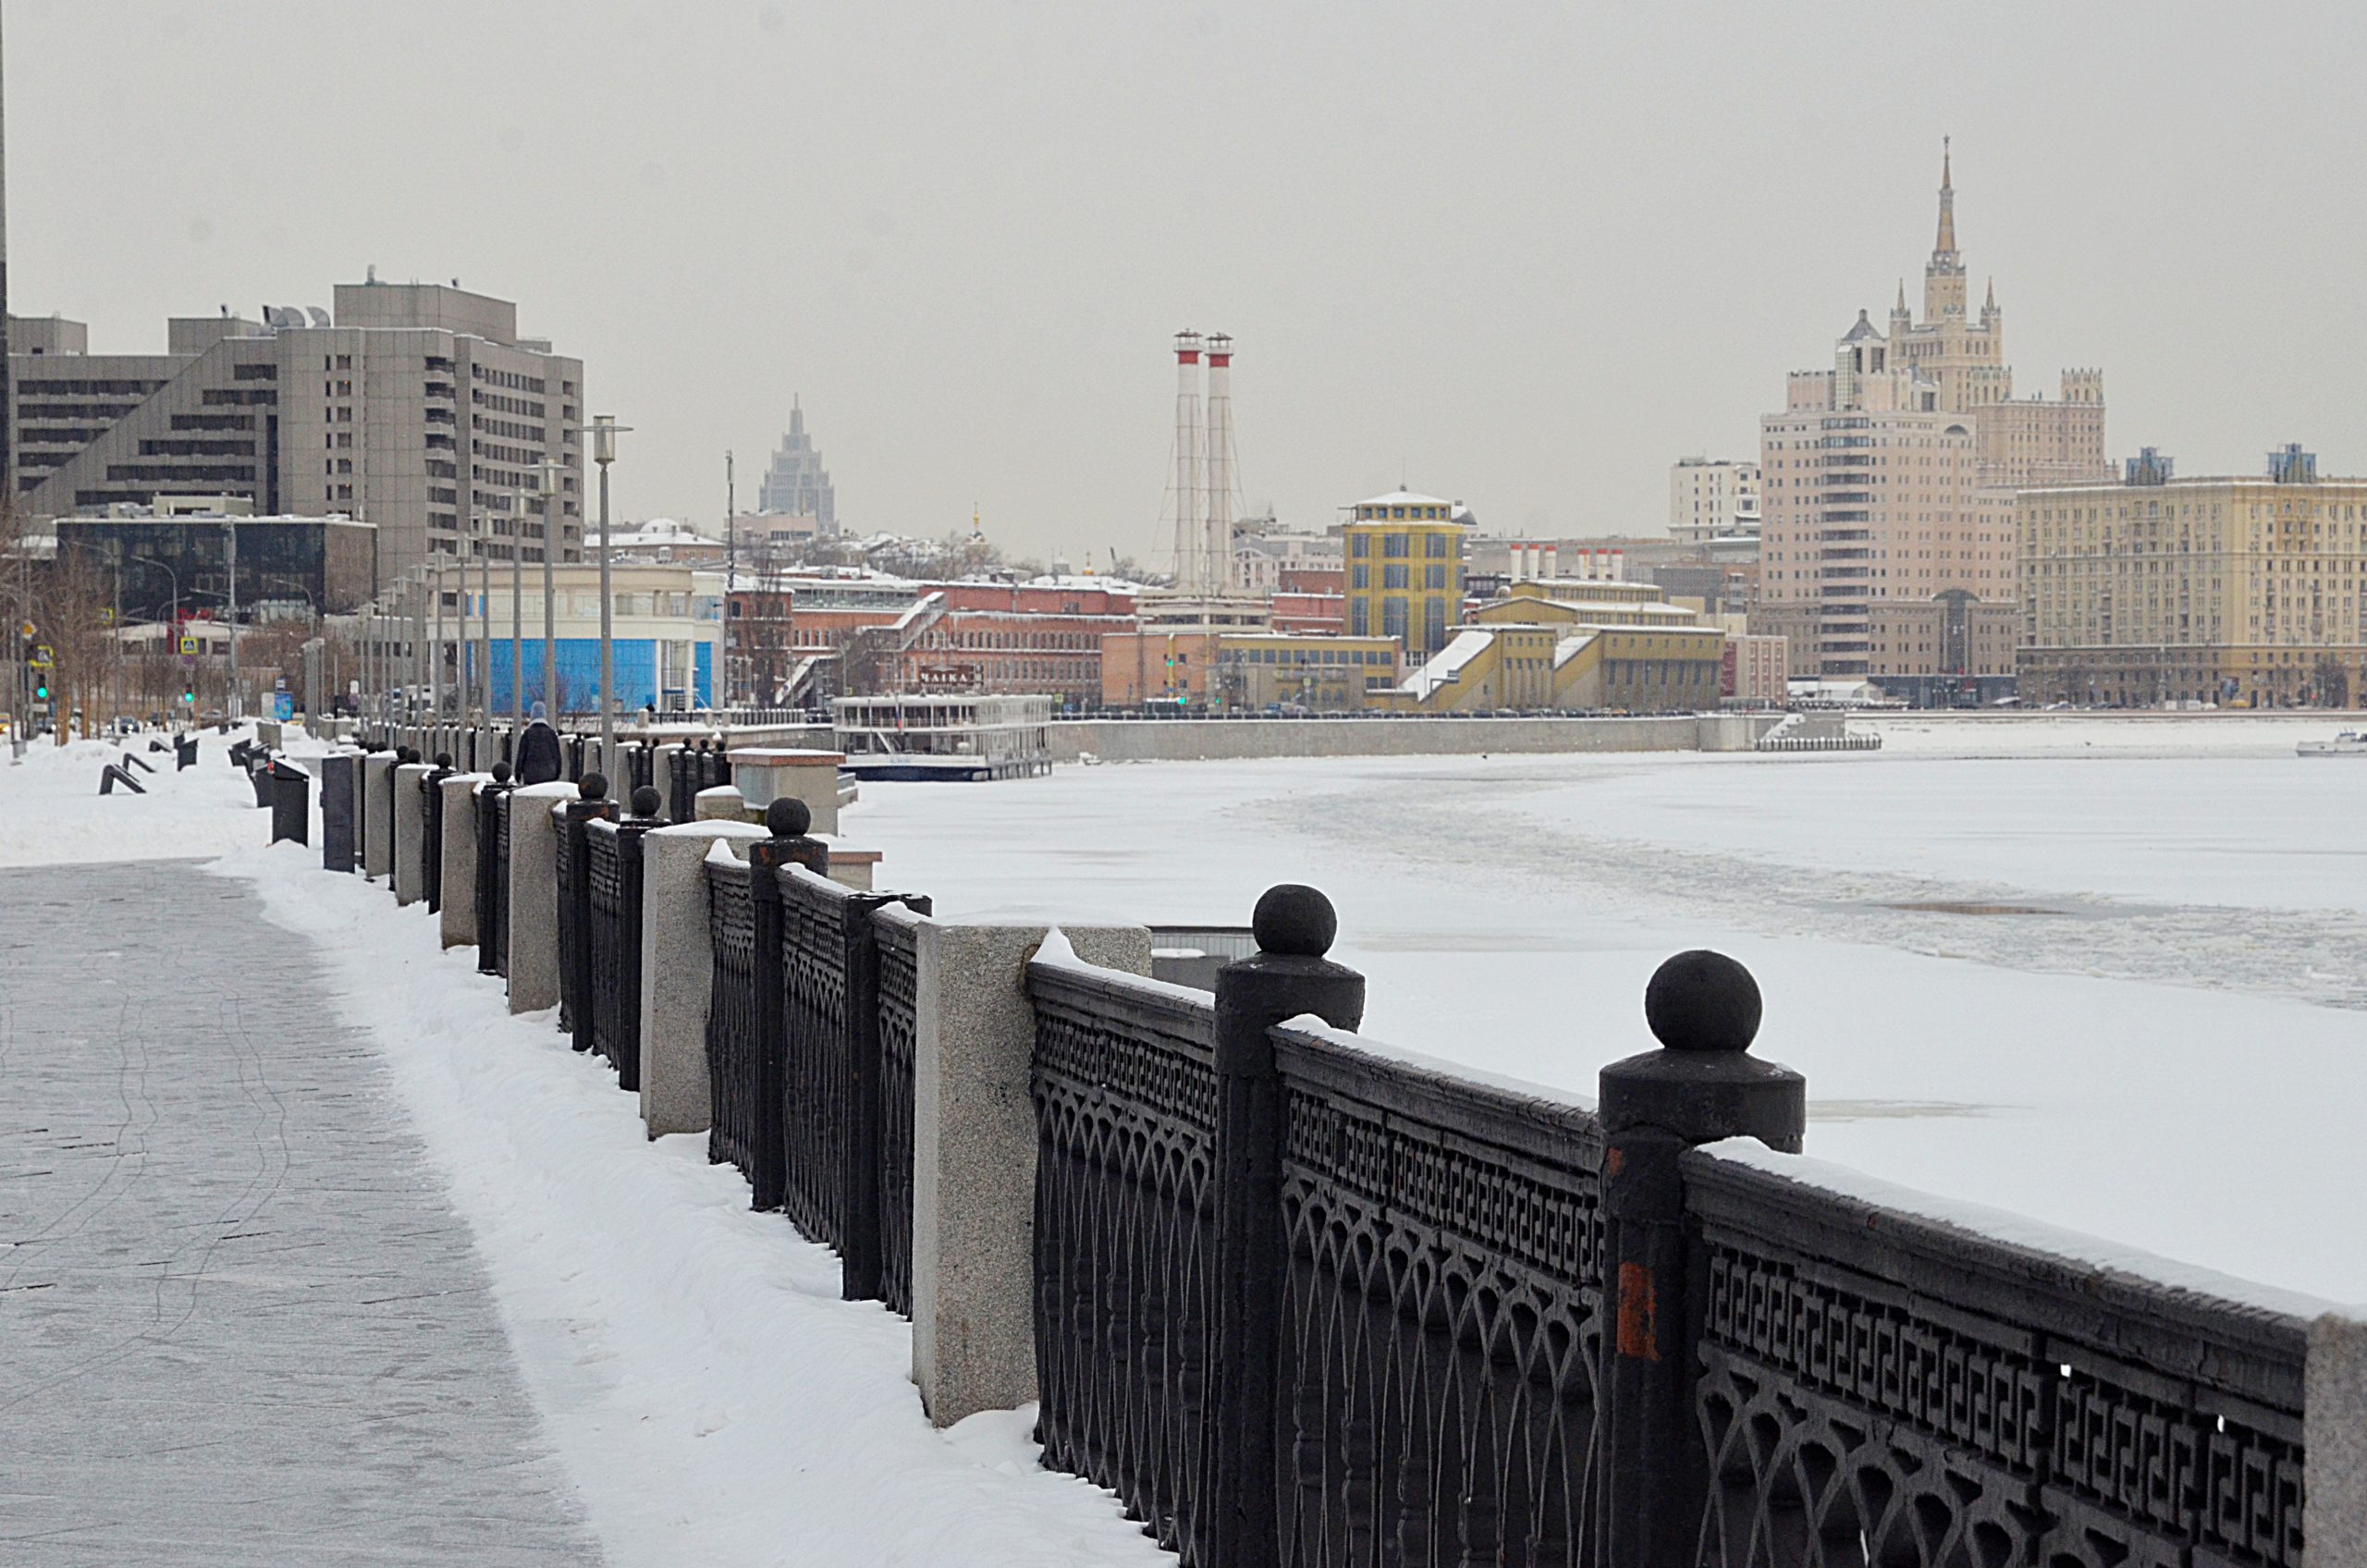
(612, 938)
(837, 1176)
(493, 877)
(1914, 1392)
(1440, 1315)
(894, 932)
(742, 1054)
(431, 837)
(572, 854)
(689, 770)
(1126, 1284)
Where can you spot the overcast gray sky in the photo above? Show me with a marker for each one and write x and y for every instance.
(1519, 255)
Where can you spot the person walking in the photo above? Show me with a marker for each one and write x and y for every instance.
(538, 749)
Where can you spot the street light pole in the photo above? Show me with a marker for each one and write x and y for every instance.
(435, 576)
(722, 697)
(484, 623)
(230, 533)
(552, 470)
(605, 430)
(518, 616)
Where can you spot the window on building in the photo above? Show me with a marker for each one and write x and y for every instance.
(1437, 547)
(1393, 577)
(1393, 617)
(1395, 546)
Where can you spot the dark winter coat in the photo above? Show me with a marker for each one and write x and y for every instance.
(538, 754)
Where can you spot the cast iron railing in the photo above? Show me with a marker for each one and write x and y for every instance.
(894, 930)
(1126, 1292)
(742, 1054)
(689, 770)
(493, 877)
(839, 1169)
(612, 938)
(1441, 1314)
(431, 838)
(1879, 1388)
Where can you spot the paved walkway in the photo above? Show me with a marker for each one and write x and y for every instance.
(238, 1322)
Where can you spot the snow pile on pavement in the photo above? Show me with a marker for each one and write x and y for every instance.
(52, 812)
(712, 1397)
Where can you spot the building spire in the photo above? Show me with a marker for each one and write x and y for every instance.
(1900, 308)
(1989, 306)
(1945, 245)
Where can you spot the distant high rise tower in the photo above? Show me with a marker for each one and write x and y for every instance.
(797, 485)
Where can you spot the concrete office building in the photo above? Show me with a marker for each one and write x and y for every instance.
(174, 562)
(1886, 544)
(1713, 502)
(2233, 590)
(417, 409)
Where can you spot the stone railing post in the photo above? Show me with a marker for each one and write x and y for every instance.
(378, 813)
(534, 894)
(1294, 927)
(2334, 1440)
(974, 1157)
(456, 878)
(1702, 1086)
(411, 831)
(676, 1094)
(591, 805)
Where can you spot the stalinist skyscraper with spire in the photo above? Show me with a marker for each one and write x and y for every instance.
(1887, 547)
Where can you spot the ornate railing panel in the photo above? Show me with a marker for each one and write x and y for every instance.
(612, 958)
(1442, 1315)
(896, 932)
(816, 1070)
(500, 885)
(571, 919)
(1124, 1085)
(744, 1061)
(431, 840)
(1880, 1389)
(493, 877)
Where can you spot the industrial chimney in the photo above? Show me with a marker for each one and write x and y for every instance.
(1190, 544)
(1219, 507)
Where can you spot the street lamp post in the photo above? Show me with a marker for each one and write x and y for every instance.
(605, 430)
(552, 471)
(434, 579)
(518, 616)
(230, 551)
(485, 622)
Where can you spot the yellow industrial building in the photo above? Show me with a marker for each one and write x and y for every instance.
(1566, 646)
(1403, 555)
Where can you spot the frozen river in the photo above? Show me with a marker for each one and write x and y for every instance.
(2112, 974)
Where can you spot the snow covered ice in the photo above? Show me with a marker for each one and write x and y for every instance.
(2108, 973)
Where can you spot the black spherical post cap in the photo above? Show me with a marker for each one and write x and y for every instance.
(644, 801)
(593, 787)
(1702, 1002)
(407, 756)
(787, 817)
(1295, 919)
(501, 773)
(444, 759)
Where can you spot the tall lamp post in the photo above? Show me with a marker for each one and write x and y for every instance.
(518, 615)
(433, 576)
(552, 472)
(605, 431)
(485, 621)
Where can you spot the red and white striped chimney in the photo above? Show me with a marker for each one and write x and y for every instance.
(1191, 547)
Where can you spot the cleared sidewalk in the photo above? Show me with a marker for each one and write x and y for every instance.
(243, 1324)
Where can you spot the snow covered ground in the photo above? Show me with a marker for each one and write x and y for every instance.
(710, 1396)
(2108, 973)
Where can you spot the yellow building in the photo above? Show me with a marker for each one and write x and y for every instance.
(1404, 570)
(1544, 647)
(2229, 590)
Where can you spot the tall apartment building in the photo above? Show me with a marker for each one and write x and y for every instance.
(1710, 501)
(797, 485)
(417, 409)
(1886, 539)
(1404, 562)
(2157, 589)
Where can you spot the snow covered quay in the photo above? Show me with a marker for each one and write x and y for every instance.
(1295, 1296)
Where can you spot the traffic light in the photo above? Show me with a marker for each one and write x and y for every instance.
(41, 690)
